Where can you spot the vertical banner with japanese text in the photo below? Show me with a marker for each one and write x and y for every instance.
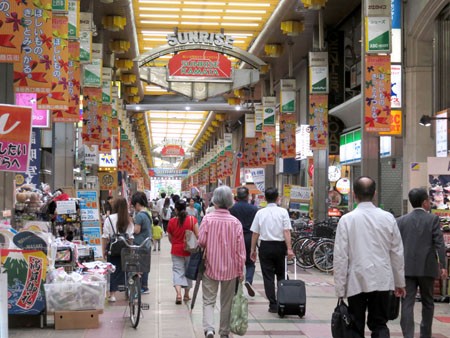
(377, 93)
(268, 144)
(92, 103)
(33, 25)
(32, 174)
(288, 125)
(318, 120)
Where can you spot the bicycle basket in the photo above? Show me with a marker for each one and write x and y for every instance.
(324, 231)
(135, 260)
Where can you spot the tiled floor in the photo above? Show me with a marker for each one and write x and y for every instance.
(165, 319)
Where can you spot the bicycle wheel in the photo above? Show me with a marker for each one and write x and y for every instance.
(302, 251)
(134, 299)
(323, 255)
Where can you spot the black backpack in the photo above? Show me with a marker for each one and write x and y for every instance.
(116, 244)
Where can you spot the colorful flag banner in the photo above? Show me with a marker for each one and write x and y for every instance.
(318, 121)
(288, 125)
(40, 117)
(106, 128)
(248, 152)
(92, 99)
(213, 173)
(32, 73)
(58, 98)
(15, 138)
(268, 145)
(377, 93)
(11, 32)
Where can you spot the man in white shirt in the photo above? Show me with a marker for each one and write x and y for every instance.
(368, 260)
(160, 203)
(273, 227)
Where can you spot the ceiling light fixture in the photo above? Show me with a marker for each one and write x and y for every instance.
(153, 22)
(425, 120)
(247, 4)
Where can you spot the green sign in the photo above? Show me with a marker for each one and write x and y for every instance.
(287, 101)
(378, 35)
(319, 80)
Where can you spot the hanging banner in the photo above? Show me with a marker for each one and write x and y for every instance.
(91, 154)
(378, 34)
(199, 65)
(106, 85)
(32, 74)
(377, 93)
(318, 121)
(85, 46)
(40, 117)
(249, 125)
(213, 173)
(302, 142)
(318, 72)
(91, 133)
(259, 118)
(107, 180)
(31, 176)
(228, 139)
(259, 178)
(58, 98)
(287, 95)
(74, 19)
(92, 73)
(269, 106)
(106, 128)
(11, 33)
(268, 145)
(396, 86)
(15, 138)
(288, 125)
(248, 159)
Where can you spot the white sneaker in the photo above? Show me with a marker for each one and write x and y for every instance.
(112, 299)
(209, 334)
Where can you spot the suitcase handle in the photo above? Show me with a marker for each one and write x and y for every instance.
(286, 268)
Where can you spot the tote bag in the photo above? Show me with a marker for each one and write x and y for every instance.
(239, 312)
(190, 240)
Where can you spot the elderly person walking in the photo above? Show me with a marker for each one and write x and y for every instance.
(222, 237)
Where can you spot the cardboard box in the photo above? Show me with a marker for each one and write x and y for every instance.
(69, 320)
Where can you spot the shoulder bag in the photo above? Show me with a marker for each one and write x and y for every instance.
(190, 240)
(342, 321)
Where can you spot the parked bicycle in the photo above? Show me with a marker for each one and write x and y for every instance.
(135, 261)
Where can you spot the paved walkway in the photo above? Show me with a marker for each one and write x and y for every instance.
(165, 319)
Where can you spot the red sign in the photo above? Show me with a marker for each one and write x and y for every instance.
(172, 150)
(196, 65)
(15, 137)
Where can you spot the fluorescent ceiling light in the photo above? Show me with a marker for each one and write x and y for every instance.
(248, 4)
(246, 11)
(164, 16)
(205, 3)
(212, 17)
(208, 10)
(145, 32)
(159, 9)
(156, 39)
(237, 24)
(190, 23)
(247, 18)
(153, 22)
(239, 34)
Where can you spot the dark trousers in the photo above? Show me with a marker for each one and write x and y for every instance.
(376, 304)
(249, 264)
(426, 285)
(165, 223)
(271, 258)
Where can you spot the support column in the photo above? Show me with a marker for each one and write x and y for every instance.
(6, 96)
(63, 155)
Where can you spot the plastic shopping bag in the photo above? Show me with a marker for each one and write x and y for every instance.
(239, 312)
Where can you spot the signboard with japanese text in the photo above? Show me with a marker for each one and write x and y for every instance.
(302, 142)
(442, 134)
(395, 123)
(89, 207)
(108, 160)
(58, 98)
(74, 19)
(66, 207)
(199, 65)
(92, 73)
(249, 125)
(288, 124)
(92, 235)
(11, 34)
(26, 271)
(259, 178)
(31, 176)
(259, 117)
(40, 117)
(288, 95)
(33, 25)
(91, 154)
(15, 138)
(268, 144)
(318, 120)
(377, 93)
(396, 86)
(378, 34)
(85, 46)
(106, 128)
(269, 109)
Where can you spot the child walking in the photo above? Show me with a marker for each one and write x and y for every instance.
(157, 233)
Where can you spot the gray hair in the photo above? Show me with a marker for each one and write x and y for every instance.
(223, 197)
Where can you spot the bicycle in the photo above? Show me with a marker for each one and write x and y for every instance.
(135, 260)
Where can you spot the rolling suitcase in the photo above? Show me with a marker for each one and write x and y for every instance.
(291, 295)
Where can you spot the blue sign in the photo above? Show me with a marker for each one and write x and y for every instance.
(396, 15)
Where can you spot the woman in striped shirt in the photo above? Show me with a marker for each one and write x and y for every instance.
(222, 237)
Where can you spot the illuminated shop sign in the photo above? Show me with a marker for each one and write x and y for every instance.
(214, 39)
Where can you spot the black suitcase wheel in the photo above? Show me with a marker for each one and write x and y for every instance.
(302, 311)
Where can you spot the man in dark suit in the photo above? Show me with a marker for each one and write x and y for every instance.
(245, 213)
(424, 252)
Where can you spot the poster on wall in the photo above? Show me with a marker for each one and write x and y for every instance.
(90, 219)
(439, 185)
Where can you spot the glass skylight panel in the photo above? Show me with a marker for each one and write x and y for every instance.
(153, 22)
(206, 10)
(212, 17)
(246, 11)
(249, 4)
(204, 3)
(163, 16)
(247, 18)
(242, 24)
(190, 23)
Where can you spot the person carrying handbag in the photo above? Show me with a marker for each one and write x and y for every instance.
(180, 257)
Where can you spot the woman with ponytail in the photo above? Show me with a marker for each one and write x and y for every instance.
(180, 258)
